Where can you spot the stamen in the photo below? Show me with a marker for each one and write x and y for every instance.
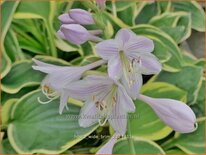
(102, 123)
(44, 102)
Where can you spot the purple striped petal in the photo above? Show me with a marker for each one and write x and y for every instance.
(88, 115)
(118, 118)
(108, 147)
(63, 102)
(133, 90)
(139, 44)
(107, 49)
(175, 114)
(115, 68)
(124, 100)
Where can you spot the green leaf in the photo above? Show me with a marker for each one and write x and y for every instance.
(21, 75)
(6, 110)
(14, 52)
(177, 25)
(7, 148)
(141, 146)
(188, 79)
(120, 5)
(147, 12)
(191, 143)
(7, 8)
(197, 13)
(44, 10)
(144, 122)
(129, 20)
(174, 63)
(37, 128)
(175, 151)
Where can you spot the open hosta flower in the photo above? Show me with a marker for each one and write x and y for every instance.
(77, 34)
(77, 16)
(59, 77)
(175, 114)
(128, 57)
(105, 99)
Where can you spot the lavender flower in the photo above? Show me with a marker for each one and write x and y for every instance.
(128, 57)
(59, 77)
(105, 99)
(77, 16)
(77, 34)
(175, 114)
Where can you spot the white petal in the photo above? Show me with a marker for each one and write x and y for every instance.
(139, 44)
(118, 119)
(115, 68)
(133, 90)
(175, 114)
(63, 102)
(108, 147)
(107, 49)
(123, 36)
(88, 115)
(124, 100)
(150, 64)
(91, 86)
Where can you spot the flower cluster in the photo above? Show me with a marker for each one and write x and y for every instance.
(128, 57)
(72, 29)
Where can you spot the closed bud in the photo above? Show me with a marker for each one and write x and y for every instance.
(81, 16)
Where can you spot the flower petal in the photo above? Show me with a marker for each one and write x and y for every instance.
(123, 36)
(118, 119)
(150, 64)
(124, 100)
(88, 114)
(133, 90)
(175, 114)
(139, 44)
(107, 49)
(108, 147)
(87, 88)
(63, 102)
(115, 68)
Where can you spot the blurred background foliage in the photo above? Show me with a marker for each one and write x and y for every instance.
(29, 30)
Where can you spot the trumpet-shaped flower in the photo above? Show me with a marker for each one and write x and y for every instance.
(59, 77)
(128, 57)
(77, 16)
(105, 99)
(175, 114)
(77, 34)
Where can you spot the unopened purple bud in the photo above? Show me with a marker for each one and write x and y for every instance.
(66, 19)
(75, 33)
(81, 16)
(101, 3)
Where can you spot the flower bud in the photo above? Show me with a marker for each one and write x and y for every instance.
(101, 3)
(66, 19)
(76, 34)
(175, 114)
(81, 16)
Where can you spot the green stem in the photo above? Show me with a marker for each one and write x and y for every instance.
(129, 134)
(114, 9)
